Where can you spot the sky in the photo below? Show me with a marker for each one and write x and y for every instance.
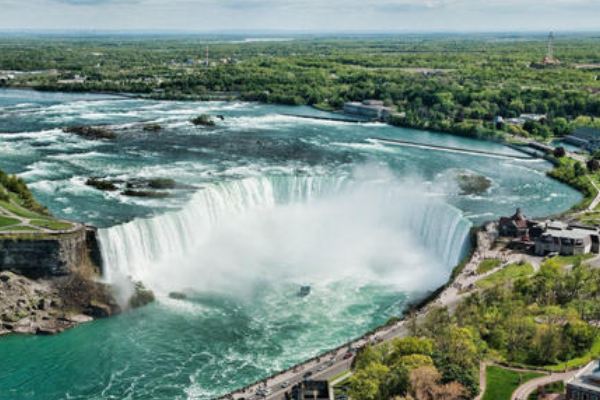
(301, 15)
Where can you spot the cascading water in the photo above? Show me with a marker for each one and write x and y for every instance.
(390, 224)
(368, 243)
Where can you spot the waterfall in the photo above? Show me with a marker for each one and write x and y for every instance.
(443, 229)
(170, 240)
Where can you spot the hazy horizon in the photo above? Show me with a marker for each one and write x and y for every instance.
(301, 16)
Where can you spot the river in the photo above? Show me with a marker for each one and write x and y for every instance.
(270, 202)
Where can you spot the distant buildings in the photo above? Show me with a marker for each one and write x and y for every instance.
(523, 118)
(548, 237)
(588, 138)
(372, 109)
(586, 384)
(76, 79)
(9, 75)
(4, 78)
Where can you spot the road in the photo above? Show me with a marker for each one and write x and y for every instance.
(325, 367)
(335, 362)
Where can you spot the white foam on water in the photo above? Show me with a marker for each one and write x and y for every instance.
(289, 229)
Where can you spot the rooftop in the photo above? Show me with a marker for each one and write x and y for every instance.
(588, 378)
(570, 233)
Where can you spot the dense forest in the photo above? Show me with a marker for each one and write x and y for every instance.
(453, 84)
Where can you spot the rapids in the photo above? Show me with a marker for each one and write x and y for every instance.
(269, 202)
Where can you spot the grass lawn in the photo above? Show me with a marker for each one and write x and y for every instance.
(324, 107)
(590, 218)
(17, 229)
(487, 265)
(579, 361)
(509, 272)
(340, 388)
(51, 224)
(338, 376)
(501, 383)
(571, 260)
(20, 211)
(6, 221)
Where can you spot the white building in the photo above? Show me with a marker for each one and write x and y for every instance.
(373, 109)
(567, 240)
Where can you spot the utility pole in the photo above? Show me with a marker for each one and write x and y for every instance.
(206, 56)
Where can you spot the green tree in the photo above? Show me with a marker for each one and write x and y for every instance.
(366, 383)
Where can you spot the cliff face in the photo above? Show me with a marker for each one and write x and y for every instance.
(36, 256)
(48, 283)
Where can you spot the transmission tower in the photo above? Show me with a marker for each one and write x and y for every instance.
(550, 55)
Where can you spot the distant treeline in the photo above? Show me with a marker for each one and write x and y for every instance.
(454, 84)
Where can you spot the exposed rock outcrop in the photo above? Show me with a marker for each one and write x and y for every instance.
(49, 306)
(90, 132)
(41, 255)
(50, 283)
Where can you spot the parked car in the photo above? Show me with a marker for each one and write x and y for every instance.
(321, 367)
(347, 356)
(307, 375)
(285, 384)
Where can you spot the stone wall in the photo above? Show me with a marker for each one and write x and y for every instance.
(47, 255)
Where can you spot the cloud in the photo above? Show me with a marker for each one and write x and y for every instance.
(94, 2)
(313, 15)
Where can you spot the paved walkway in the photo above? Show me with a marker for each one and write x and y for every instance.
(482, 382)
(25, 222)
(464, 284)
(337, 361)
(523, 391)
(596, 200)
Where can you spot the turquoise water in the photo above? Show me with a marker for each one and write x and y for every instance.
(273, 202)
(569, 147)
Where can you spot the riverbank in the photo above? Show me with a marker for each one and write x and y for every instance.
(136, 246)
(462, 284)
(331, 363)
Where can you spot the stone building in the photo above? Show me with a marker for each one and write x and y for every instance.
(516, 226)
(546, 237)
(567, 240)
(586, 384)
